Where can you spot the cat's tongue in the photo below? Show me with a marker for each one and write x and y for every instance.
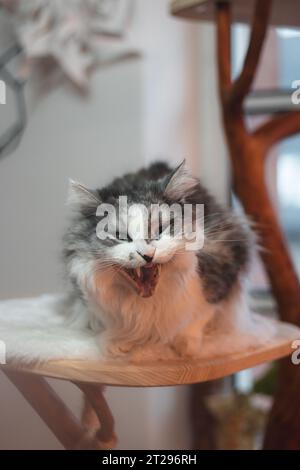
(144, 279)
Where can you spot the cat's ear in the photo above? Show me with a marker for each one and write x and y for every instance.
(81, 197)
(180, 183)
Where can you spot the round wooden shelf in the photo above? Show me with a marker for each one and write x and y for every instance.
(164, 373)
(283, 13)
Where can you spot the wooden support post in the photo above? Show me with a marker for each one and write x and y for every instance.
(248, 151)
(97, 417)
(49, 407)
(65, 426)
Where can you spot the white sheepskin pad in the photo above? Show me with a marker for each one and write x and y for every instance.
(37, 329)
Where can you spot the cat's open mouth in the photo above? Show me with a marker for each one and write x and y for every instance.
(143, 279)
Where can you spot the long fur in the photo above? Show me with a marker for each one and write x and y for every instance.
(195, 288)
(199, 306)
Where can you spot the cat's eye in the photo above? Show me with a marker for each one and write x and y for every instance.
(160, 228)
(163, 227)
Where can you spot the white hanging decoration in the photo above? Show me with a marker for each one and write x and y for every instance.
(77, 34)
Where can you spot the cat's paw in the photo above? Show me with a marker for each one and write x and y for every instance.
(187, 346)
(112, 349)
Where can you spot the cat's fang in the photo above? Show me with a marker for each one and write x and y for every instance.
(143, 279)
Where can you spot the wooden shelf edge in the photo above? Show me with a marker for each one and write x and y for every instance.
(284, 14)
(177, 372)
(186, 9)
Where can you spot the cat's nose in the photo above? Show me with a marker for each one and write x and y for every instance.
(147, 258)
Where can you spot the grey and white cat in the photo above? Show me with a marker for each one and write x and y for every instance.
(144, 294)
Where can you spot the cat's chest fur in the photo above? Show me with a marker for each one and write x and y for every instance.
(177, 300)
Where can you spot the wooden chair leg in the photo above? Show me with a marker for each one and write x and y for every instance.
(89, 417)
(49, 407)
(97, 418)
(92, 433)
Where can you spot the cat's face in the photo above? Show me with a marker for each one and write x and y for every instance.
(137, 239)
(147, 244)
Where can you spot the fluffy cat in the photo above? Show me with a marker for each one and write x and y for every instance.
(143, 294)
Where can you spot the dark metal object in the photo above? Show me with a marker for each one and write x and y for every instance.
(267, 102)
(10, 139)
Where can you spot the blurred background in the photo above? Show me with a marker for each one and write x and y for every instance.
(150, 93)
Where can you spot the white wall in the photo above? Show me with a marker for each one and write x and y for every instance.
(213, 159)
(137, 110)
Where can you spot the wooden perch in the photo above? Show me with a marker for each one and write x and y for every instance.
(96, 429)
